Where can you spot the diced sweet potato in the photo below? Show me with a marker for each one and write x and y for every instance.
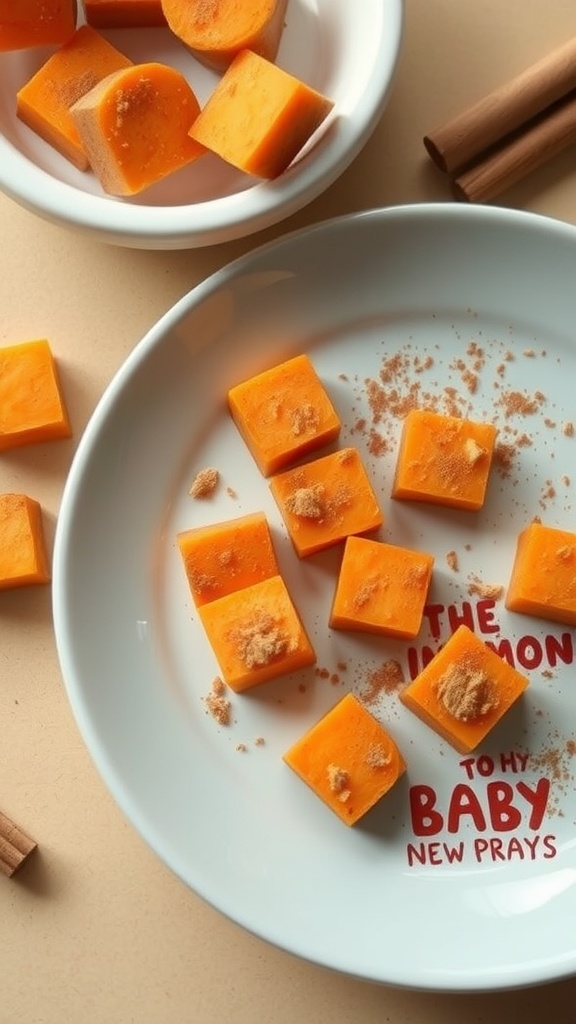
(23, 555)
(124, 13)
(134, 127)
(259, 117)
(283, 413)
(381, 588)
(348, 759)
(217, 30)
(444, 460)
(326, 500)
(28, 23)
(256, 634)
(32, 407)
(227, 556)
(464, 691)
(543, 579)
(44, 102)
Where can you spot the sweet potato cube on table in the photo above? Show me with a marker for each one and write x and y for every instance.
(25, 24)
(444, 460)
(283, 413)
(124, 13)
(348, 759)
(23, 555)
(256, 634)
(44, 102)
(464, 691)
(326, 500)
(259, 117)
(543, 579)
(227, 556)
(217, 32)
(381, 588)
(32, 407)
(134, 127)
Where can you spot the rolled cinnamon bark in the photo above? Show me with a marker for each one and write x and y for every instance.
(467, 136)
(543, 140)
(15, 846)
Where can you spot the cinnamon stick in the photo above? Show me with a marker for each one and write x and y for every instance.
(15, 846)
(542, 141)
(467, 136)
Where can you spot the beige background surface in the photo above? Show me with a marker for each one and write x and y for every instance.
(94, 928)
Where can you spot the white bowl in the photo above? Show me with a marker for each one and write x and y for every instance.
(349, 57)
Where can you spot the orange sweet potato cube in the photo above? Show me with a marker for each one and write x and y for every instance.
(23, 555)
(464, 691)
(259, 117)
(444, 460)
(32, 407)
(44, 102)
(224, 557)
(381, 588)
(348, 759)
(326, 500)
(283, 413)
(543, 579)
(29, 23)
(256, 634)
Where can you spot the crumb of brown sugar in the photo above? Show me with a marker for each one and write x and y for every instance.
(259, 741)
(568, 429)
(508, 356)
(549, 422)
(241, 748)
(565, 480)
(205, 483)
(231, 492)
(518, 403)
(504, 458)
(342, 666)
(548, 493)
(452, 561)
(322, 673)
(217, 703)
(343, 376)
(487, 591)
(529, 352)
(377, 445)
(547, 674)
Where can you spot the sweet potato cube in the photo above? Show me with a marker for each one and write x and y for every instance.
(256, 634)
(134, 127)
(25, 24)
(444, 460)
(44, 102)
(348, 759)
(124, 13)
(23, 555)
(326, 500)
(259, 117)
(381, 588)
(216, 32)
(543, 579)
(227, 556)
(464, 691)
(283, 413)
(32, 407)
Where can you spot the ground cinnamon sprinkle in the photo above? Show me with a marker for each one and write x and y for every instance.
(217, 702)
(205, 483)
(338, 780)
(452, 561)
(387, 678)
(376, 757)
(308, 502)
(261, 639)
(466, 692)
(304, 419)
(488, 591)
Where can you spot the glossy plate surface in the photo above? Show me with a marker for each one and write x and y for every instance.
(351, 59)
(465, 876)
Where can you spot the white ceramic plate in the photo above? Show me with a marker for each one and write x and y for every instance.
(326, 43)
(483, 896)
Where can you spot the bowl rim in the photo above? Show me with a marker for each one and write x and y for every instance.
(225, 218)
